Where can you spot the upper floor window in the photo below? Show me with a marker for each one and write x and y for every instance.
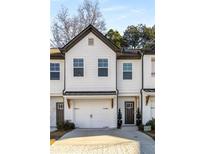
(127, 71)
(153, 66)
(102, 67)
(90, 41)
(54, 71)
(78, 67)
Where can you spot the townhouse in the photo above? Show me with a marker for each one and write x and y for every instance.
(91, 79)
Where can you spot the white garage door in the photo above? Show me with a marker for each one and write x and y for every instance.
(92, 113)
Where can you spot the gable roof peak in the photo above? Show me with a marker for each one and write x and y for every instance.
(83, 33)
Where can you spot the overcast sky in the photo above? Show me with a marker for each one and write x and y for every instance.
(118, 14)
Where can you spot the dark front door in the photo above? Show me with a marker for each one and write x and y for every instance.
(59, 113)
(129, 112)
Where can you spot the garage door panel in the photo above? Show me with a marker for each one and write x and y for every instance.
(92, 113)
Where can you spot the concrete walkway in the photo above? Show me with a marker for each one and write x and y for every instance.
(104, 141)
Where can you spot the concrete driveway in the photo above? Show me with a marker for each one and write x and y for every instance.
(104, 141)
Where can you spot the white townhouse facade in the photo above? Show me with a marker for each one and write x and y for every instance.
(91, 79)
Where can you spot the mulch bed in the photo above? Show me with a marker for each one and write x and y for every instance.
(151, 134)
(58, 134)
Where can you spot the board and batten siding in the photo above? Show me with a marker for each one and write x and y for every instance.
(129, 86)
(149, 80)
(90, 81)
(57, 86)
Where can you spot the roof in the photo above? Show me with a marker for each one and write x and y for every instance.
(90, 93)
(56, 54)
(83, 33)
(148, 51)
(129, 54)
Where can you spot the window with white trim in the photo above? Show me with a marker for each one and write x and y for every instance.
(127, 71)
(90, 41)
(102, 67)
(153, 66)
(78, 67)
(54, 71)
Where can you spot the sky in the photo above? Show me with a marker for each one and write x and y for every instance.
(118, 14)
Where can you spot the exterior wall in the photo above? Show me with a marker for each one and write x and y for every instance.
(121, 106)
(129, 86)
(149, 81)
(53, 101)
(56, 86)
(90, 81)
(149, 109)
(111, 116)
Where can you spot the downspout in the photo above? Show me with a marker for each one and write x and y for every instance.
(64, 74)
(63, 54)
(117, 91)
(142, 55)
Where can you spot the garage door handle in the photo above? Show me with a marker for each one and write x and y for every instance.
(91, 115)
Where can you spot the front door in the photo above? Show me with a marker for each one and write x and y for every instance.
(59, 113)
(129, 112)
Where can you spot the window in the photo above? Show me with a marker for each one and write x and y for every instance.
(90, 41)
(129, 105)
(127, 71)
(78, 67)
(102, 67)
(153, 66)
(54, 71)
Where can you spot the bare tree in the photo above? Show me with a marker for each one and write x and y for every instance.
(65, 27)
(89, 13)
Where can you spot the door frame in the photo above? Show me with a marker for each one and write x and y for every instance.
(126, 122)
(58, 108)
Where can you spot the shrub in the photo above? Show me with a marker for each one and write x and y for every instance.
(119, 119)
(68, 125)
(60, 126)
(151, 123)
(141, 127)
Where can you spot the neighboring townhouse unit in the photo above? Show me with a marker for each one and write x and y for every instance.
(91, 79)
(148, 86)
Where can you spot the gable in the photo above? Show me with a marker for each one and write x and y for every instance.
(84, 33)
(98, 49)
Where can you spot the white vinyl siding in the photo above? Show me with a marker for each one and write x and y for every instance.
(90, 55)
(129, 86)
(149, 71)
(56, 86)
(153, 66)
